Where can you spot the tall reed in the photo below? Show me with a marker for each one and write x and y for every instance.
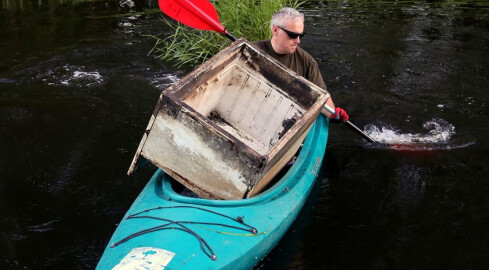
(243, 18)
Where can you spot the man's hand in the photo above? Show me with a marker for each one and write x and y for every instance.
(340, 114)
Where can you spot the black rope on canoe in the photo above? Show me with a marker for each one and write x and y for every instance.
(203, 244)
(239, 220)
(197, 222)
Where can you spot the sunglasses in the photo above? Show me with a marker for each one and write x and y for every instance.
(292, 35)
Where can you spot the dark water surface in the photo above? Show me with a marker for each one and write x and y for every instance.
(77, 89)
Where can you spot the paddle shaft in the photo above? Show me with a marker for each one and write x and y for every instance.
(359, 131)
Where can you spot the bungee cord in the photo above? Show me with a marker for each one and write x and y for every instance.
(179, 225)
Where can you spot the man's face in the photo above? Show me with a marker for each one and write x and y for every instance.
(285, 44)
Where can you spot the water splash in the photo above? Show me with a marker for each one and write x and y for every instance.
(164, 81)
(83, 78)
(437, 137)
(73, 76)
(127, 5)
(439, 132)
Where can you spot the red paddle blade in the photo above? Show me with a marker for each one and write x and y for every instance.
(199, 14)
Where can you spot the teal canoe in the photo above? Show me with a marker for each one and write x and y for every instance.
(166, 230)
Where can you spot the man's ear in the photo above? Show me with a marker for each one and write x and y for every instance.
(274, 30)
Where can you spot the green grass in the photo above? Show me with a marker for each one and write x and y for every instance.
(243, 18)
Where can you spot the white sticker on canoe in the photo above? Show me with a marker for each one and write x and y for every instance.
(145, 258)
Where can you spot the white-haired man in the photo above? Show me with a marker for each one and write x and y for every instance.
(287, 27)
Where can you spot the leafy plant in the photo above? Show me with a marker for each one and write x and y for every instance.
(243, 18)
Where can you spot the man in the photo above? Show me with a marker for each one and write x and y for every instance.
(287, 27)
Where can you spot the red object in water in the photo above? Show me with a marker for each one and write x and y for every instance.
(411, 147)
(415, 150)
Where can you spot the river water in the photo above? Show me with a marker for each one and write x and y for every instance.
(77, 88)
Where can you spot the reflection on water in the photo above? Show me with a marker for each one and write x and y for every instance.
(127, 5)
(27, 4)
(33, 28)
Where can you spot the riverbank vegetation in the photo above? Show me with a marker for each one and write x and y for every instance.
(243, 18)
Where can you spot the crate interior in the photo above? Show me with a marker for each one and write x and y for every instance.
(245, 105)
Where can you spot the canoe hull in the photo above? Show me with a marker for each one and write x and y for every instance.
(192, 230)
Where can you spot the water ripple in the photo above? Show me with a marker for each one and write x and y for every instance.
(74, 76)
(44, 227)
(164, 81)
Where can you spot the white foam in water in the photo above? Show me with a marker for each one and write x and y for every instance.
(126, 4)
(92, 75)
(83, 78)
(439, 132)
(67, 75)
(165, 81)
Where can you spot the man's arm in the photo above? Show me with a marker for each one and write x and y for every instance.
(330, 103)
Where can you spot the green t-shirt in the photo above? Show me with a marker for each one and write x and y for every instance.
(300, 61)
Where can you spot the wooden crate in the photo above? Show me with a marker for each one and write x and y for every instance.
(227, 128)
